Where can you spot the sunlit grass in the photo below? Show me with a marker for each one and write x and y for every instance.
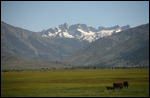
(74, 83)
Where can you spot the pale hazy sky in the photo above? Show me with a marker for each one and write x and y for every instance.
(39, 15)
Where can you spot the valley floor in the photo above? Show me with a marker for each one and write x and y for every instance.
(74, 83)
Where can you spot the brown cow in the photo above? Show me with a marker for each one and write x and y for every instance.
(118, 85)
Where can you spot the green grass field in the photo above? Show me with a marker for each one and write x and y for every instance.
(74, 83)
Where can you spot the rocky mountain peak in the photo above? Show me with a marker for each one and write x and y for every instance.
(82, 31)
(66, 26)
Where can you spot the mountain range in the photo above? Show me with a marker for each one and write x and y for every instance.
(81, 31)
(56, 43)
(127, 48)
(77, 45)
(31, 45)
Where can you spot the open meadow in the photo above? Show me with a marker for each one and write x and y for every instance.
(74, 83)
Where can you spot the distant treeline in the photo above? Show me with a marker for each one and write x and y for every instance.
(109, 67)
(79, 67)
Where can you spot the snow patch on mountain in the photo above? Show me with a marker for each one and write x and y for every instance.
(119, 30)
(103, 33)
(81, 31)
(67, 35)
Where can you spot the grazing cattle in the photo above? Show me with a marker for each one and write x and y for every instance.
(110, 88)
(115, 85)
(126, 84)
(121, 85)
(118, 85)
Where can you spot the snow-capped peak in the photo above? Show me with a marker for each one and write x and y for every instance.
(81, 31)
